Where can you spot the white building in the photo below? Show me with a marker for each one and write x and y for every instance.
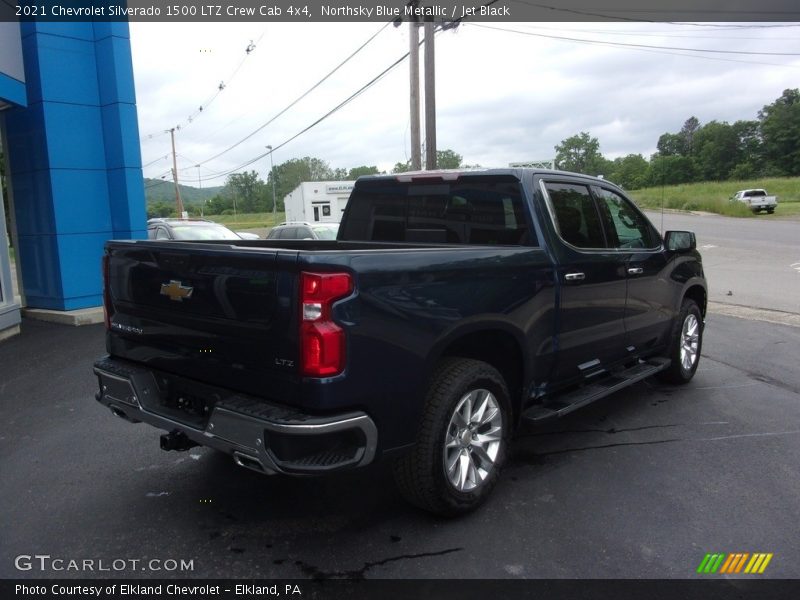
(318, 201)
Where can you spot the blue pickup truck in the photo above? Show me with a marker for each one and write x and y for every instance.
(452, 307)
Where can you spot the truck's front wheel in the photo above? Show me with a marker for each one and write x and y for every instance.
(686, 344)
(462, 440)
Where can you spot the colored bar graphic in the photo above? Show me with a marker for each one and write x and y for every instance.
(704, 563)
(765, 563)
(741, 562)
(733, 563)
(729, 563)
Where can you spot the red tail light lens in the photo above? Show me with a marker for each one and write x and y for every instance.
(322, 342)
(108, 307)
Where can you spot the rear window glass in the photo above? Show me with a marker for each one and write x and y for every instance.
(203, 232)
(472, 210)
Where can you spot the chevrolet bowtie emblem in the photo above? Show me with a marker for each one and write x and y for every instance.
(176, 290)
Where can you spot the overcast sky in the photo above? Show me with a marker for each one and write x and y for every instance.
(501, 96)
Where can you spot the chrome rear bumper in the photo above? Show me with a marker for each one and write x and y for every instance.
(262, 436)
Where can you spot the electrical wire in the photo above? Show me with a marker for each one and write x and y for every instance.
(331, 112)
(298, 99)
(223, 85)
(629, 45)
(661, 12)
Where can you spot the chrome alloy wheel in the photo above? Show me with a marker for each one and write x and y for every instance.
(473, 439)
(690, 339)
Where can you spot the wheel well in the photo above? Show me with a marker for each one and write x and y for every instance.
(498, 349)
(698, 294)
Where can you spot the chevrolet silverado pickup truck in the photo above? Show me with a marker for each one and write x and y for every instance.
(757, 200)
(453, 307)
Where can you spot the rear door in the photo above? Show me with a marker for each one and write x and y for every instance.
(593, 284)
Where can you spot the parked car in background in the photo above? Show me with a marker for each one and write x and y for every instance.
(757, 200)
(301, 230)
(192, 229)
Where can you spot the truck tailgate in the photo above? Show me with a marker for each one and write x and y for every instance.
(214, 313)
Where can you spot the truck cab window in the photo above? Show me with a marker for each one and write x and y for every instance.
(472, 210)
(625, 226)
(575, 215)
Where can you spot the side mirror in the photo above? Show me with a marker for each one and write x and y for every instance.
(680, 241)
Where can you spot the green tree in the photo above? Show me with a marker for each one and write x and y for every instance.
(448, 159)
(581, 154)
(780, 133)
(292, 173)
(217, 205)
(161, 209)
(670, 170)
(357, 172)
(401, 167)
(716, 151)
(630, 171)
(247, 190)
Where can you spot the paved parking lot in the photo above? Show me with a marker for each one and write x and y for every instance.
(642, 484)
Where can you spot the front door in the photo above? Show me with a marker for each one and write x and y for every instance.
(648, 310)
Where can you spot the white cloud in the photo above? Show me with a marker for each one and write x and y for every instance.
(501, 96)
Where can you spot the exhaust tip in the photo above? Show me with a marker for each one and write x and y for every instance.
(249, 462)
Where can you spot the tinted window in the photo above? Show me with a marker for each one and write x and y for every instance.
(304, 233)
(625, 226)
(472, 210)
(575, 215)
(326, 232)
(274, 233)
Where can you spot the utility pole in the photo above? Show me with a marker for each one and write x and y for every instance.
(416, 158)
(178, 200)
(274, 197)
(200, 185)
(430, 97)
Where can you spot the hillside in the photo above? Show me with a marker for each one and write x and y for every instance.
(160, 190)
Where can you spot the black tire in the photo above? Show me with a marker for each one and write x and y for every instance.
(421, 474)
(770, 211)
(688, 324)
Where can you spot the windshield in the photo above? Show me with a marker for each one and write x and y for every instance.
(326, 232)
(203, 232)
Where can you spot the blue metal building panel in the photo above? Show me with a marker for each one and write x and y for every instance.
(75, 159)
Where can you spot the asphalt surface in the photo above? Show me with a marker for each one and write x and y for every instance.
(640, 485)
(748, 262)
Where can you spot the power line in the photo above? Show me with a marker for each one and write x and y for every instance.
(703, 12)
(662, 34)
(635, 46)
(298, 99)
(220, 88)
(338, 107)
(155, 161)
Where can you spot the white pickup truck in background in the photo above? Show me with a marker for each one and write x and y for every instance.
(757, 200)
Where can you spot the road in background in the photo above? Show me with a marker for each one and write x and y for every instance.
(749, 262)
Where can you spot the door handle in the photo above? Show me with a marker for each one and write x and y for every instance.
(575, 276)
(635, 271)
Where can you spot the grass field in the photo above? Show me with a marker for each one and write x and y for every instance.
(714, 196)
(248, 220)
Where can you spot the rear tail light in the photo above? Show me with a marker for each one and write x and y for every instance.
(108, 307)
(322, 342)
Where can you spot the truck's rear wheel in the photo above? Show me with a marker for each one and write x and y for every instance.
(462, 440)
(686, 344)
